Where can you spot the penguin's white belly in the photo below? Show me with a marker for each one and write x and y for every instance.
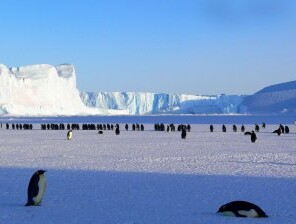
(42, 188)
(228, 213)
(70, 135)
(252, 213)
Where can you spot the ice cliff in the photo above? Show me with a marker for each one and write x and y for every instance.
(47, 90)
(40, 90)
(162, 103)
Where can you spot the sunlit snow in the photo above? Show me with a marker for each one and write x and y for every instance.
(147, 176)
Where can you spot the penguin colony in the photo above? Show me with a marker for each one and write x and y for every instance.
(18, 126)
(281, 129)
(37, 183)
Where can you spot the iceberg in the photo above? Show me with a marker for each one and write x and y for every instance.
(140, 103)
(48, 90)
(40, 90)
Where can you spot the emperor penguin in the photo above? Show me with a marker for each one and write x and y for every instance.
(234, 128)
(69, 135)
(223, 128)
(257, 128)
(183, 133)
(211, 128)
(36, 188)
(117, 131)
(253, 135)
(278, 131)
(287, 130)
(243, 128)
(242, 209)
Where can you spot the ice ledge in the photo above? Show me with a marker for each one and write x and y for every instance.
(39, 71)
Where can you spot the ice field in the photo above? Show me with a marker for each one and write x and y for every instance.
(148, 177)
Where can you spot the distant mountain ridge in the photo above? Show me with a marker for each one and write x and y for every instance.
(279, 98)
(279, 87)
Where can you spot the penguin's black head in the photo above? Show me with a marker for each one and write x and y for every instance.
(221, 209)
(41, 171)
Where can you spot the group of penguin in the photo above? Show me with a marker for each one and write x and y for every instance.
(37, 188)
(171, 127)
(186, 128)
(19, 126)
(282, 129)
(183, 130)
(37, 184)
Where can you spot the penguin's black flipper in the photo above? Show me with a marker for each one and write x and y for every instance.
(33, 189)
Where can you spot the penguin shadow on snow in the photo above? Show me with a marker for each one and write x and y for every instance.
(115, 190)
(264, 163)
(142, 197)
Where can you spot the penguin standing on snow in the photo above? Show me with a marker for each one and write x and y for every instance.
(183, 134)
(117, 131)
(211, 128)
(257, 128)
(69, 135)
(243, 128)
(242, 209)
(36, 188)
(253, 135)
(287, 130)
(234, 128)
(223, 128)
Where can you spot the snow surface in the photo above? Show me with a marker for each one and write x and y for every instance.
(139, 103)
(147, 177)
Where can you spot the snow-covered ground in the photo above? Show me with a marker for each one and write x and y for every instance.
(148, 177)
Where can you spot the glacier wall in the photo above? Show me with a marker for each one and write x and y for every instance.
(160, 103)
(47, 90)
(40, 90)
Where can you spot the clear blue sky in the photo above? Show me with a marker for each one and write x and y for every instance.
(175, 46)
